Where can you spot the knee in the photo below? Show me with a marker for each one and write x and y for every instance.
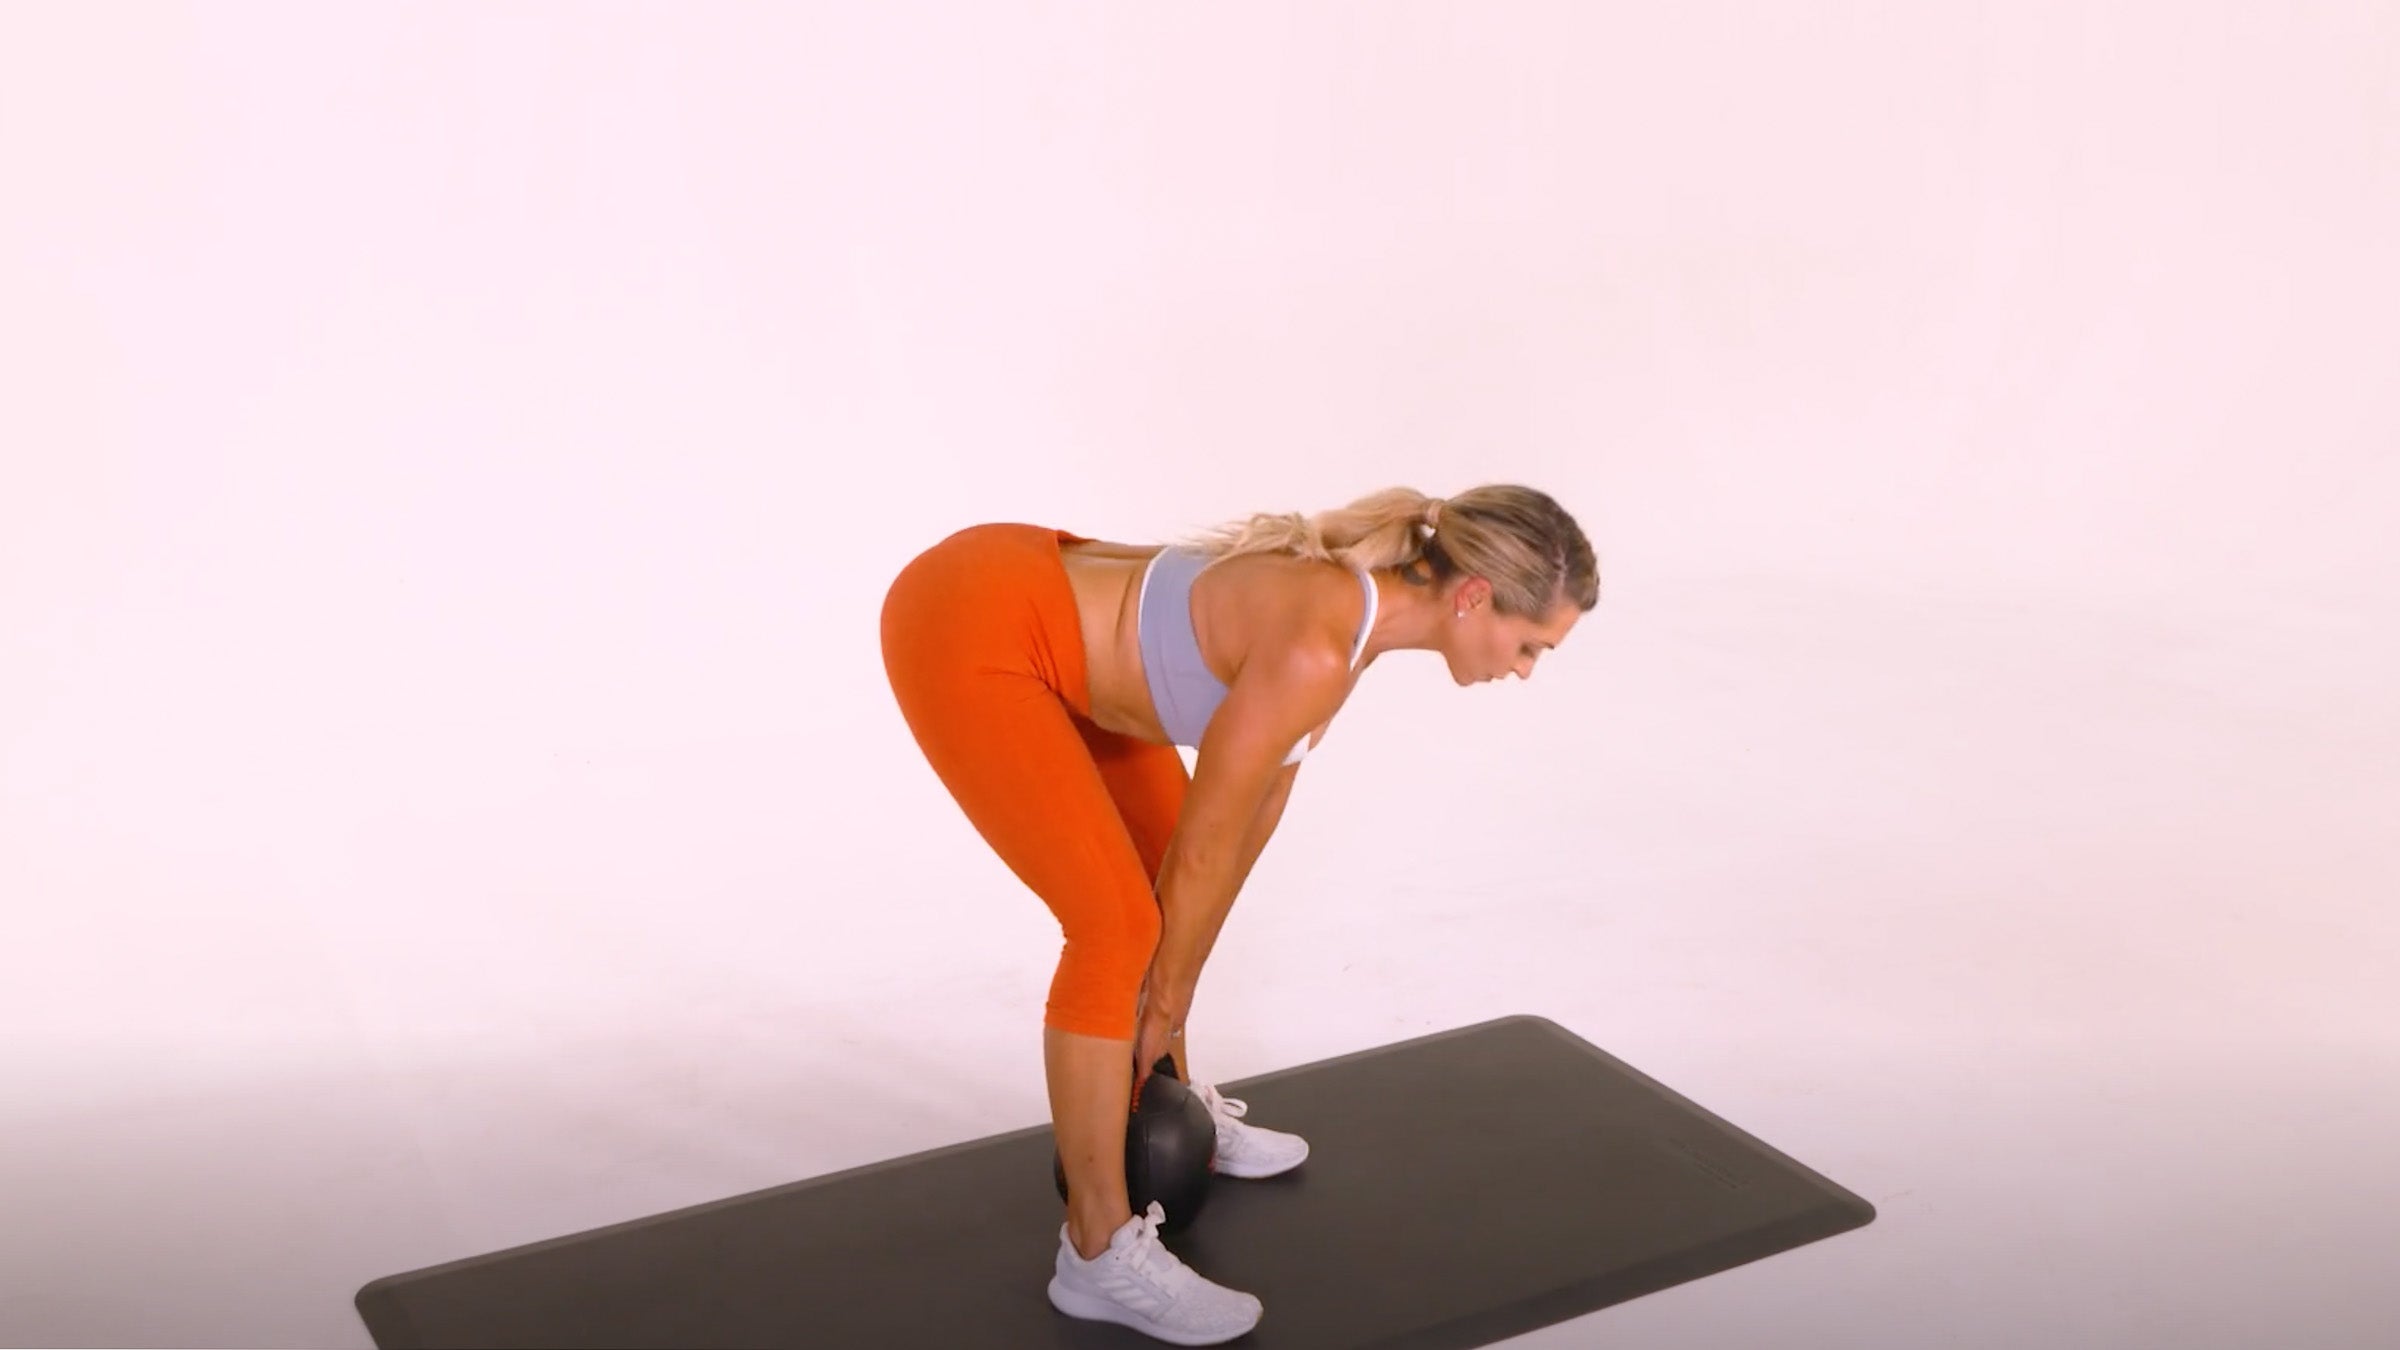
(1099, 979)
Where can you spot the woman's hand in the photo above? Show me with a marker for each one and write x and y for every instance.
(1158, 1018)
(1150, 1041)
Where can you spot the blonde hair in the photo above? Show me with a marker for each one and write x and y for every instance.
(1517, 538)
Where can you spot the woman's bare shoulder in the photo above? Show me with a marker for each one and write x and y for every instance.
(1295, 603)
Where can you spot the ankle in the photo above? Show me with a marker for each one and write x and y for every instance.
(1090, 1235)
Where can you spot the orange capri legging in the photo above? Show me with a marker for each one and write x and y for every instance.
(984, 650)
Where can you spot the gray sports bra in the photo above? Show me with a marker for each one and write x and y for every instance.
(1182, 688)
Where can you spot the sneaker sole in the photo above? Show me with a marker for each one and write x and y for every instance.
(1091, 1307)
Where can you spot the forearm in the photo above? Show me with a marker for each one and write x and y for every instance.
(1195, 897)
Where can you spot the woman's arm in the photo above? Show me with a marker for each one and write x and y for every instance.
(1254, 842)
(1238, 787)
(1262, 825)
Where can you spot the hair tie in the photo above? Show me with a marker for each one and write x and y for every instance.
(1433, 514)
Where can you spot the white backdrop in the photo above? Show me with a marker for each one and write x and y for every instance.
(454, 456)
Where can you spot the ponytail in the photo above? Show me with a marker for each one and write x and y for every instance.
(1518, 538)
(1382, 529)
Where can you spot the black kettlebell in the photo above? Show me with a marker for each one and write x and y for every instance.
(1170, 1149)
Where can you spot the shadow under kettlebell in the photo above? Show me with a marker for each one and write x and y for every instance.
(1170, 1149)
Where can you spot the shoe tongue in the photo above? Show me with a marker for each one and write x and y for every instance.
(1130, 1233)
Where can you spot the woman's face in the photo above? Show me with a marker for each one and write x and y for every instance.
(1486, 644)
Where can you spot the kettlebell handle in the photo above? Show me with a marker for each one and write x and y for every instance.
(1164, 1065)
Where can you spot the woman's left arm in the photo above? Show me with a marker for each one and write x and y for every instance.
(1262, 825)
(1253, 842)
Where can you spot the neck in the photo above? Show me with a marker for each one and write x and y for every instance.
(1407, 618)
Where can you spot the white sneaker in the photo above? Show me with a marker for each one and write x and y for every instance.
(1244, 1149)
(1138, 1283)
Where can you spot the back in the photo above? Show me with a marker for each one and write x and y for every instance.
(1182, 688)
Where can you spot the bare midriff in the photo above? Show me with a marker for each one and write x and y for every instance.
(1108, 589)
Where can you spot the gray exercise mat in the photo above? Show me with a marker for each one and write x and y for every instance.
(1462, 1188)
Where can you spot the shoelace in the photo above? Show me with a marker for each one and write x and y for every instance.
(1226, 1106)
(1140, 1252)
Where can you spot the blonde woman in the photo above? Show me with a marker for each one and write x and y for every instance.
(1049, 677)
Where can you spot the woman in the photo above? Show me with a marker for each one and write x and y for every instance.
(1049, 676)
